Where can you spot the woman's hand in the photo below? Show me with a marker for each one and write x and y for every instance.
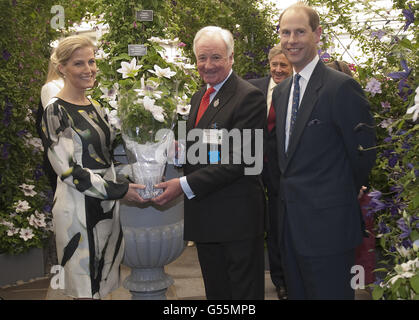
(132, 193)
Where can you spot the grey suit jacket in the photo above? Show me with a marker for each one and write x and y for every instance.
(323, 169)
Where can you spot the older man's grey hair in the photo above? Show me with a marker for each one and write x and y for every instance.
(213, 30)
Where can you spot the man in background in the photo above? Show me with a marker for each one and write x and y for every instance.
(280, 69)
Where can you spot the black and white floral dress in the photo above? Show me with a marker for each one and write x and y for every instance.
(86, 211)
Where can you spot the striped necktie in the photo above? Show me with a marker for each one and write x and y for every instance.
(295, 102)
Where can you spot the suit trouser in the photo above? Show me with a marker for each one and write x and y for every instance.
(233, 270)
(316, 277)
(275, 263)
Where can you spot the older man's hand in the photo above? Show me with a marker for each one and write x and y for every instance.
(171, 190)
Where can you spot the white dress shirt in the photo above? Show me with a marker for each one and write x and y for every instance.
(305, 77)
(183, 181)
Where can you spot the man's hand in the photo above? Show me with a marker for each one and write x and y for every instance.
(172, 190)
(132, 193)
(362, 192)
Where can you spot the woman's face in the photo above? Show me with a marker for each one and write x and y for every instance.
(80, 70)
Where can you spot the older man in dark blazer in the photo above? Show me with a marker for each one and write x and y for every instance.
(280, 69)
(324, 129)
(224, 203)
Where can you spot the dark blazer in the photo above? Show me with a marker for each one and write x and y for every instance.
(228, 205)
(323, 169)
(271, 172)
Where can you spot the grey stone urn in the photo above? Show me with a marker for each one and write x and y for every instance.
(153, 238)
(22, 267)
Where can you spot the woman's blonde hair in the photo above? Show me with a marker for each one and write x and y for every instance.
(65, 49)
(52, 73)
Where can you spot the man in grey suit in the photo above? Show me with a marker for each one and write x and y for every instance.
(224, 205)
(324, 134)
(280, 69)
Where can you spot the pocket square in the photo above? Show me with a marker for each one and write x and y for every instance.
(313, 122)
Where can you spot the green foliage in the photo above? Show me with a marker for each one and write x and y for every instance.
(160, 95)
(249, 21)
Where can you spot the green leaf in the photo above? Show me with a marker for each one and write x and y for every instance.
(414, 282)
(414, 235)
(377, 293)
(415, 201)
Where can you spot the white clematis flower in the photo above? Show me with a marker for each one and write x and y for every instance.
(167, 73)
(129, 69)
(26, 234)
(113, 118)
(111, 93)
(22, 206)
(149, 89)
(28, 189)
(415, 109)
(156, 111)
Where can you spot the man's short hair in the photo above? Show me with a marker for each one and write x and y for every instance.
(274, 52)
(313, 16)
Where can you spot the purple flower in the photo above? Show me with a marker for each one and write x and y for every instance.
(375, 194)
(387, 140)
(323, 55)
(250, 54)
(407, 243)
(38, 172)
(5, 151)
(385, 105)
(47, 208)
(417, 173)
(376, 205)
(402, 76)
(404, 228)
(378, 34)
(182, 44)
(383, 228)
(373, 86)
(7, 113)
(410, 17)
(6, 55)
(393, 160)
(21, 133)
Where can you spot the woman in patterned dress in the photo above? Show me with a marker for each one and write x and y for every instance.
(79, 139)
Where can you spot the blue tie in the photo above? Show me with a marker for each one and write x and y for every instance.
(295, 102)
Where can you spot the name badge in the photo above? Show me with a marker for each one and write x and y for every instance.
(213, 136)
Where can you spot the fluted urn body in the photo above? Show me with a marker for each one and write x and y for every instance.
(153, 238)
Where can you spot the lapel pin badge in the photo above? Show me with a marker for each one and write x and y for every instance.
(216, 103)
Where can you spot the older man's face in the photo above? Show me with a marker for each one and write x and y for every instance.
(280, 68)
(213, 62)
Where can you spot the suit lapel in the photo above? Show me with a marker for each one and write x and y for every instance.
(281, 118)
(218, 103)
(266, 86)
(307, 104)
